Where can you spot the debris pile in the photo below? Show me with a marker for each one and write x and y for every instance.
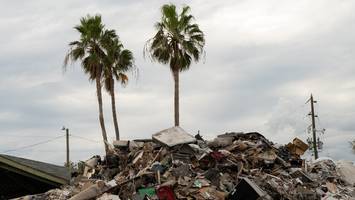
(235, 166)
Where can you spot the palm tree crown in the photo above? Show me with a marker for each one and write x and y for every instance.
(117, 62)
(177, 42)
(88, 48)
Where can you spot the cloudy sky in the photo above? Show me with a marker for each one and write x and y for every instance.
(263, 60)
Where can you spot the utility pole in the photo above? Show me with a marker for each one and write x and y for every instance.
(67, 145)
(67, 136)
(314, 128)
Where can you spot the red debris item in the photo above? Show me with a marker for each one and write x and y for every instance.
(218, 156)
(165, 193)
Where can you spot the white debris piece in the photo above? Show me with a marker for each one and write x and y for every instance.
(107, 196)
(120, 143)
(94, 190)
(346, 169)
(173, 136)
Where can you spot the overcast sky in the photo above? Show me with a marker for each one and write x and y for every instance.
(263, 60)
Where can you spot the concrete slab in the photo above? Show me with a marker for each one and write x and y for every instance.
(120, 143)
(173, 136)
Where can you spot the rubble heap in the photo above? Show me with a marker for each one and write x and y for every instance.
(236, 166)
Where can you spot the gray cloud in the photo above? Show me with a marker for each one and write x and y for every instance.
(263, 59)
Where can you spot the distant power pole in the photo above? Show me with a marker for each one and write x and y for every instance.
(67, 144)
(315, 149)
(67, 136)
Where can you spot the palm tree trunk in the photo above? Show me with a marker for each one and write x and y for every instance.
(114, 115)
(176, 96)
(101, 113)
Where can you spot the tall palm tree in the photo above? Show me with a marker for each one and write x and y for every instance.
(89, 51)
(118, 61)
(178, 40)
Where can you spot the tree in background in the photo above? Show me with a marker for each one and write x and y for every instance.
(178, 40)
(89, 51)
(118, 62)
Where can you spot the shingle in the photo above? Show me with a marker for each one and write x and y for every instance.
(47, 168)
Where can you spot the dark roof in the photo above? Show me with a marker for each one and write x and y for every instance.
(28, 165)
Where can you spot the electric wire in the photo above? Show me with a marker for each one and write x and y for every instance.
(46, 141)
(83, 138)
(22, 136)
(33, 145)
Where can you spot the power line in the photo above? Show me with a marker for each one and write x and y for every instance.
(22, 136)
(47, 141)
(83, 138)
(32, 145)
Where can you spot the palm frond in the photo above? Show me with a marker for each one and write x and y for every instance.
(116, 60)
(178, 40)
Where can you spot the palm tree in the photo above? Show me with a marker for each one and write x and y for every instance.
(88, 49)
(118, 61)
(178, 40)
